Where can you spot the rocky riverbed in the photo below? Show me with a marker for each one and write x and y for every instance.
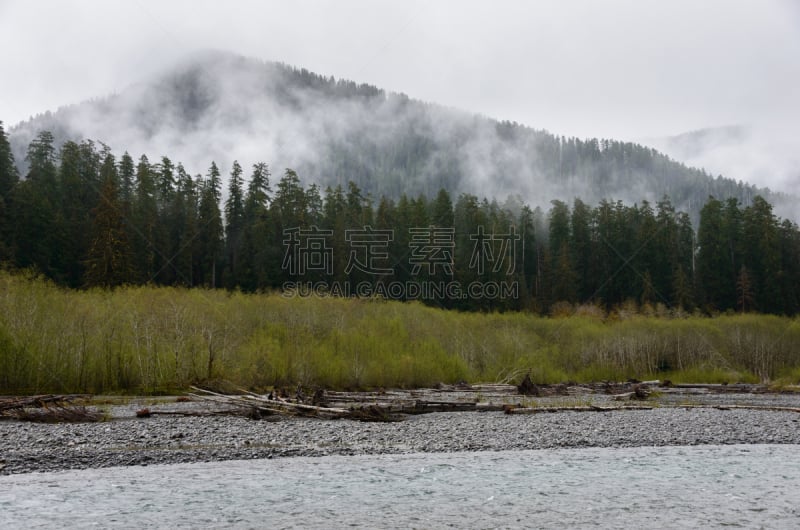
(126, 440)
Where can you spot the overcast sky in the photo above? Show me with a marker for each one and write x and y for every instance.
(627, 69)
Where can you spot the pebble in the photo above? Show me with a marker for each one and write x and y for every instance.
(163, 439)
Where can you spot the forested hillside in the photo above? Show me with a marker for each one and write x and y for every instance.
(224, 108)
(83, 217)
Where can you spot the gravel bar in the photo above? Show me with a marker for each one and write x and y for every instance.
(126, 440)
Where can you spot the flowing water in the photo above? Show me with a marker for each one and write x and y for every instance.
(703, 486)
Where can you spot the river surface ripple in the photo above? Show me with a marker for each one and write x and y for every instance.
(685, 486)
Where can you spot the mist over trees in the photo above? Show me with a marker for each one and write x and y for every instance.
(222, 107)
(85, 218)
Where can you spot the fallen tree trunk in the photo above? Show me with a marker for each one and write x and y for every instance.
(272, 406)
(580, 408)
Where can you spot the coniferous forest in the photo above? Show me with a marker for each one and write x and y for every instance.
(83, 218)
(101, 253)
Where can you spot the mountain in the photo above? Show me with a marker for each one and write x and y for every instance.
(222, 107)
(752, 153)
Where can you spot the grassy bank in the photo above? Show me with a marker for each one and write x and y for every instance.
(146, 339)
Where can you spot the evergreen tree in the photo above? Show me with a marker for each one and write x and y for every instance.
(8, 181)
(526, 258)
(563, 278)
(442, 214)
(186, 260)
(583, 250)
(472, 241)
(711, 263)
(258, 251)
(80, 182)
(683, 273)
(399, 253)
(234, 219)
(36, 209)
(127, 174)
(763, 255)
(666, 251)
(166, 182)
(354, 211)
(289, 202)
(335, 218)
(314, 205)
(789, 275)
(606, 260)
(144, 220)
(108, 263)
(210, 229)
(386, 219)
(8, 171)
(214, 182)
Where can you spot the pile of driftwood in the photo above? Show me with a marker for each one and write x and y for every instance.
(51, 408)
(394, 405)
(391, 405)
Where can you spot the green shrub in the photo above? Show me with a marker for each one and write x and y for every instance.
(150, 339)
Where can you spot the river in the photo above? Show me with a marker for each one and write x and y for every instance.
(684, 486)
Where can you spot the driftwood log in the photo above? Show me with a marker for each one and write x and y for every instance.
(51, 408)
(597, 408)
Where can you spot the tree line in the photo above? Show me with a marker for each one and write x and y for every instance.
(84, 218)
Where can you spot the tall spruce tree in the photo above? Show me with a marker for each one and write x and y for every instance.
(256, 253)
(186, 257)
(210, 229)
(234, 224)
